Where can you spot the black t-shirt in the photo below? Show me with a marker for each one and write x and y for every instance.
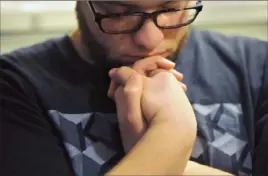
(56, 119)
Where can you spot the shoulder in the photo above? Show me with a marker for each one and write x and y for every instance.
(20, 65)
(245, 50)
(236, 61)
(18, 90)
(38, 52)
(14, 83)
(35, 61)
(246, 55)
(25, 123)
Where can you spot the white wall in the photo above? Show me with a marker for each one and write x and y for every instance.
(27, 22)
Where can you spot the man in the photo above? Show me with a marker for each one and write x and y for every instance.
(56, 117)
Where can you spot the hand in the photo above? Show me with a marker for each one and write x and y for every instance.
(146, 66)
(161, 146)
(128, 107)
(129, 93)
(130, 134)
(161, 93)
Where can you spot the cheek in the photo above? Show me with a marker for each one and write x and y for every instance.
(182, 32)
(170, 34)
(174, 38)
(117, 44)
(175, 34)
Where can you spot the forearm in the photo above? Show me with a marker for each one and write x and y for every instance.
(194, 168)
(168, 155)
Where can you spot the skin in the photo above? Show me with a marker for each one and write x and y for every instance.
(139, 109)
(148, 41)
(146, 110)
(149, 125)
(148, 66)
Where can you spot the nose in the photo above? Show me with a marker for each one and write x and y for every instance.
(149, 36)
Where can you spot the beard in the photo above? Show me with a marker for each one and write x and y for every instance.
(98, 53)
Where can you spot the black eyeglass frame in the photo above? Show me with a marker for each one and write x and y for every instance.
(98, 17)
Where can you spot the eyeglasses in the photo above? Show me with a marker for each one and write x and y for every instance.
(172, 18)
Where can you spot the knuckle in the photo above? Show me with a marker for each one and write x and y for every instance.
(123, 68)
(151, 59)
(137, 65)
(157, 57)
(134, 76)
(131, 91)
(133, 87)
(166, 74)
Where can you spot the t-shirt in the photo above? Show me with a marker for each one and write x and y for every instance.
(56, 118)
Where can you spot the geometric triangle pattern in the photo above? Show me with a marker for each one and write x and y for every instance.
(222, 139)
(93, 141)
(89, 155)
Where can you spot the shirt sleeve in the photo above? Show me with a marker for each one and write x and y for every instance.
(260, 160)
(30, 145)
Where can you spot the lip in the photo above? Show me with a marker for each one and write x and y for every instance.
(163, 54)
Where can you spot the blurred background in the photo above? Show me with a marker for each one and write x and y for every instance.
(26, 22)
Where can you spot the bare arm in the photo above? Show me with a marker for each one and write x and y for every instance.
(165, 147)
(166, 157)
(194, 168)
(159, 152)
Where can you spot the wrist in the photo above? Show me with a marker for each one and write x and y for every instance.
(162, 148)
(179, 125)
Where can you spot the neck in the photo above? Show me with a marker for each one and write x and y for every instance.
(80, 47)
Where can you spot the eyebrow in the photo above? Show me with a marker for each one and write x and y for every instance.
(132, 5)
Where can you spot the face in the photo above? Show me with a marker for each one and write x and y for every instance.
(148, 40)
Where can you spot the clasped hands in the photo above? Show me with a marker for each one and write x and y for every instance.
(150, 98)
(156, 120)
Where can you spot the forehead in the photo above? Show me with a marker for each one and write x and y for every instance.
(140, 4)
